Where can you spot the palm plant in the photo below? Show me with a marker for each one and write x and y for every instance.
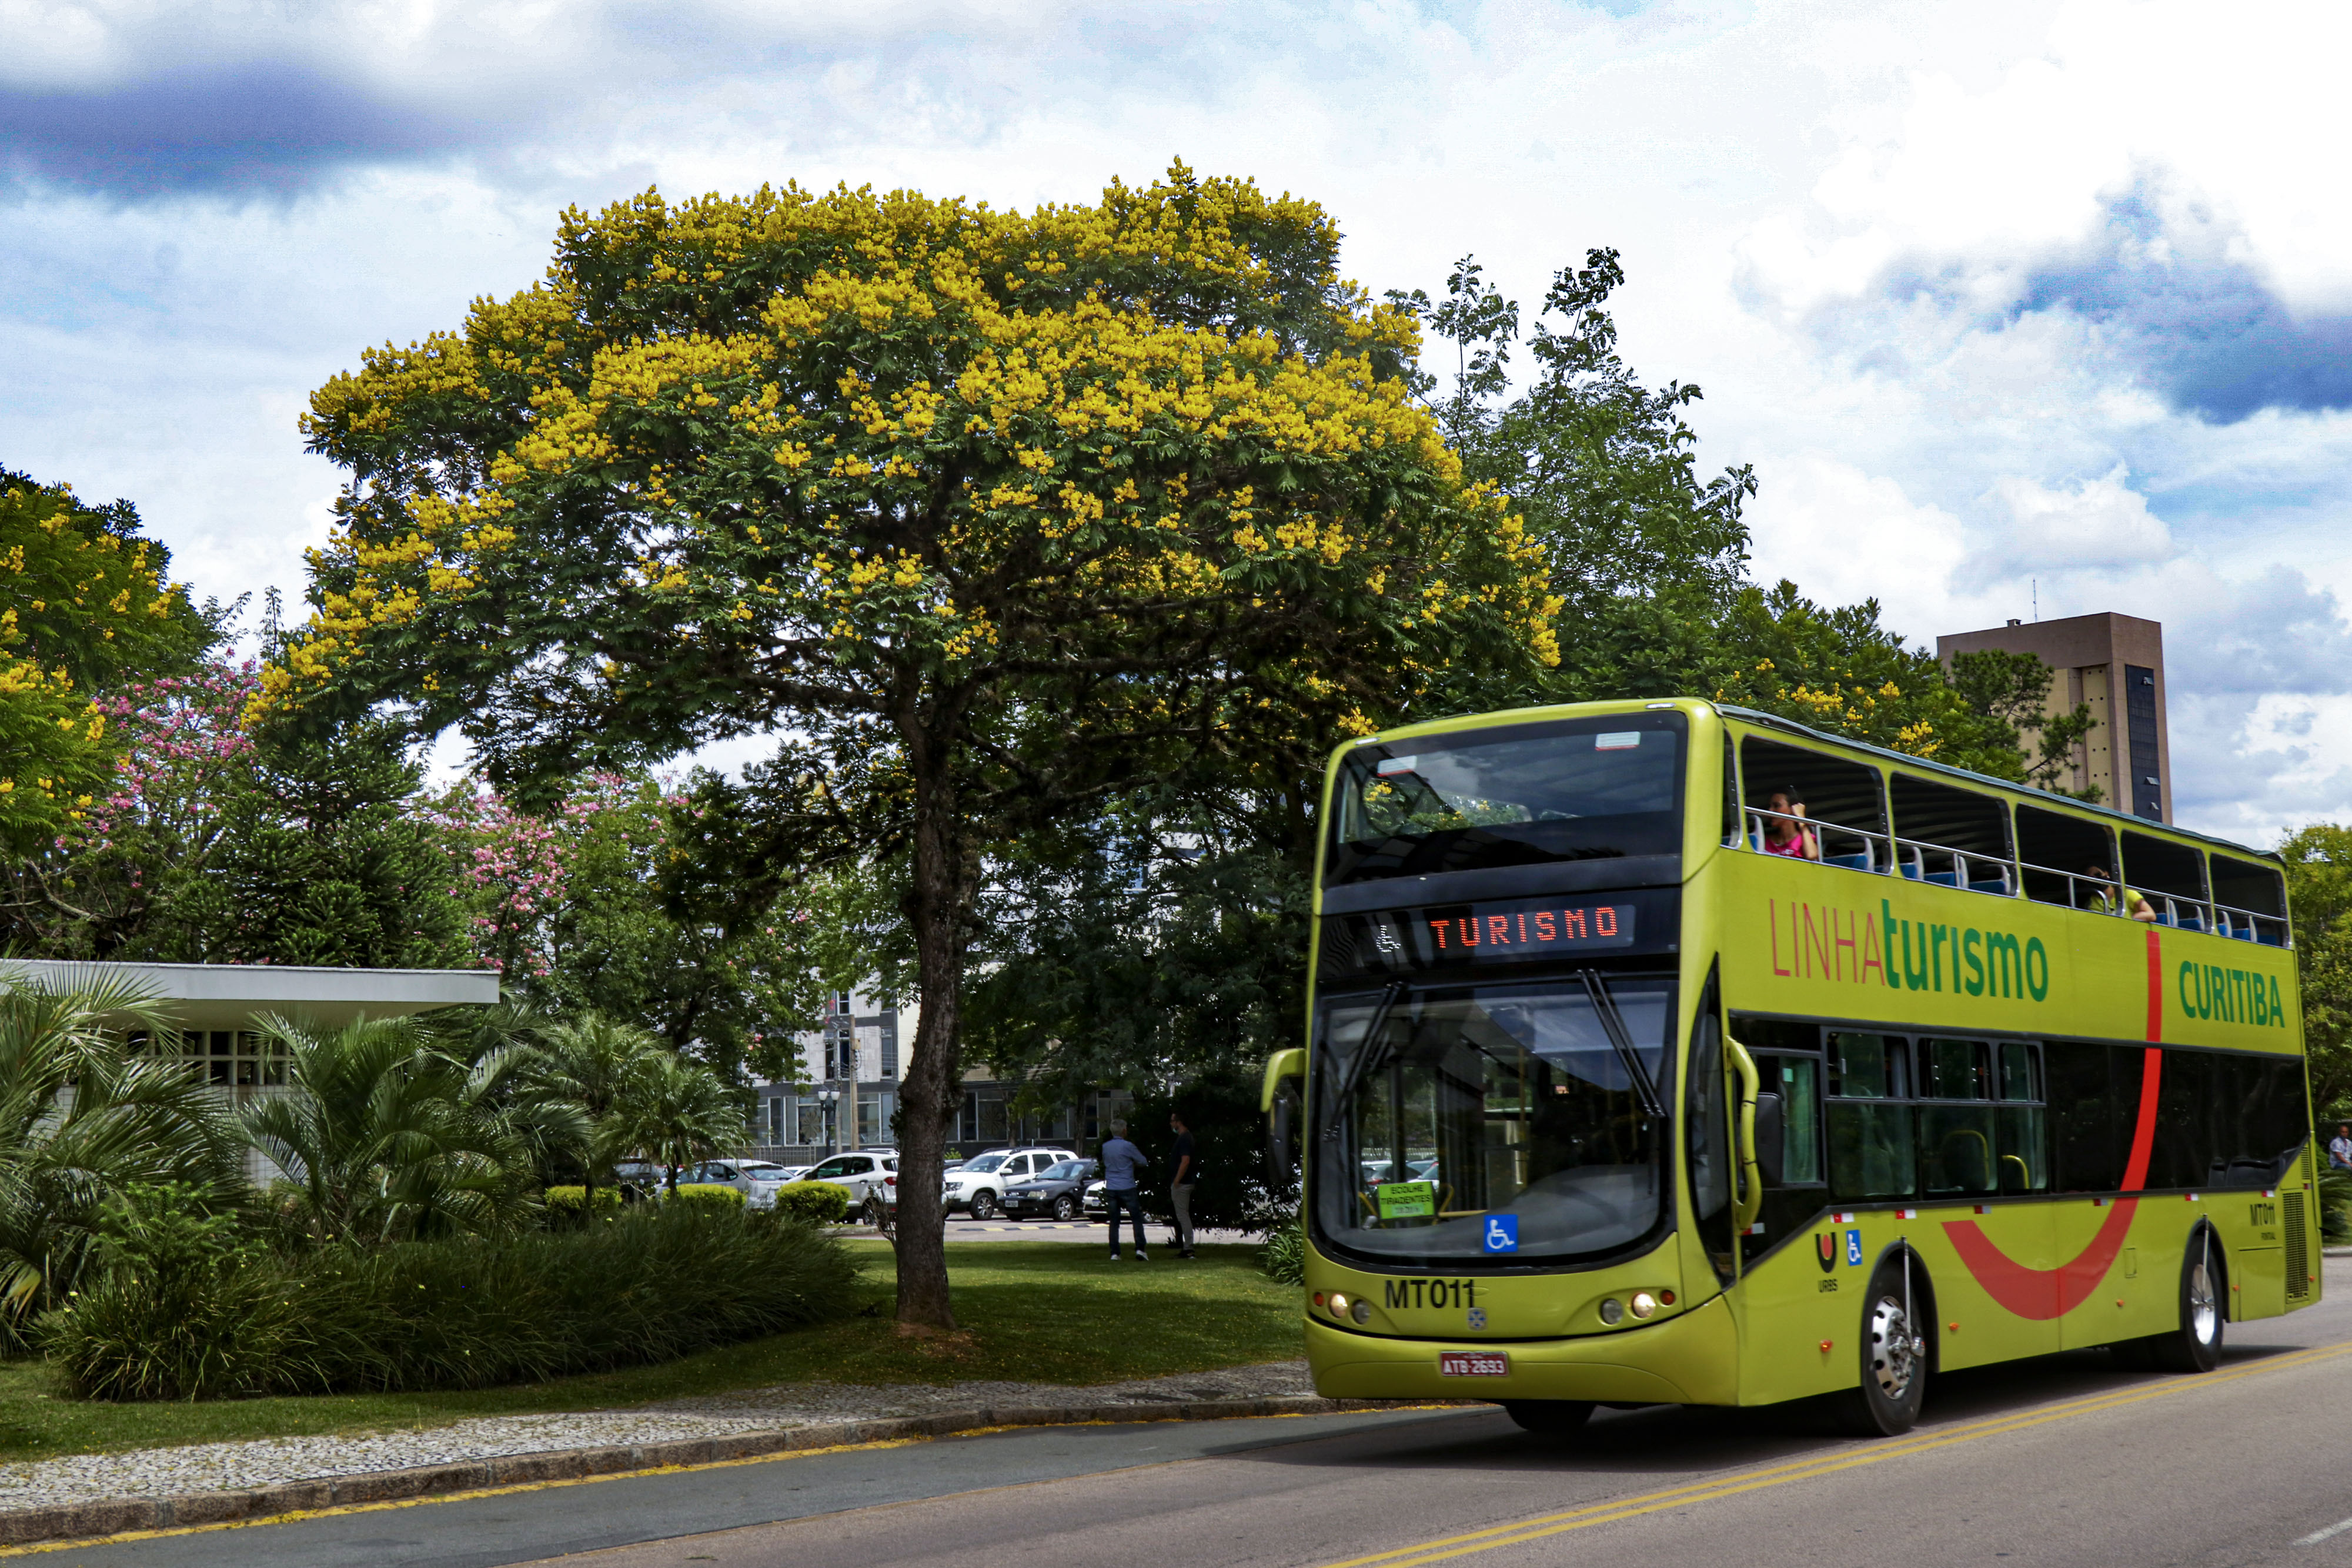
(82, 1116)
(598, 1065)
(678, 1112)
(389, 1133)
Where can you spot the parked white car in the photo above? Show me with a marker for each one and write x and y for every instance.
(743, 1175)
(979, 1183)
(864, 1172)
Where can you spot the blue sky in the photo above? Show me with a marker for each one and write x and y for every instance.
(2005, 300)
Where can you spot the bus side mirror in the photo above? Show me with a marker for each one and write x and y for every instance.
(1285, 1071)
(1770, 1132)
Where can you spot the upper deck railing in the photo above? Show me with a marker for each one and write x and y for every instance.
(1971, 871)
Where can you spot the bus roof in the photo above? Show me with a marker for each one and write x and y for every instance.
(2009, 786)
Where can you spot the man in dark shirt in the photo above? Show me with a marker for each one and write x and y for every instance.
(1184, 1171)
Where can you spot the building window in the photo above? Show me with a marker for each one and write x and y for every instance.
(811, 1119)
(236, 1059)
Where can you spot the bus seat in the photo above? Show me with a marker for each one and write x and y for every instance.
(1999, 885)
(2167, 917)
(2193, 921)
(1850, 863)
(1911, 870)
(2271, 938)
(1945, 878)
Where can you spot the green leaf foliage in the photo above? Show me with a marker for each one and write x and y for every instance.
(652, 1284)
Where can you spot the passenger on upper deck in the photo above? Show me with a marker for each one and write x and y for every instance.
(1784, 837)
(2133, 904)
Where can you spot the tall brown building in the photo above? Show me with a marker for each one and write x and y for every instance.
(2116, 663)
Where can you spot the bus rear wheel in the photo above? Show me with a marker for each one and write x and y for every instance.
(1548, 1418)
(2196, 1344)
(1893, 1358)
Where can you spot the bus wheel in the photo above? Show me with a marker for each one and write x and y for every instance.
(1894, 1359)
(2196, 1344)
(1548, 1418)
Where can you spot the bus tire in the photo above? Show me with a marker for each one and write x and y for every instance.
(1894, 1355)
(1550, 1417)
(2196, 1344)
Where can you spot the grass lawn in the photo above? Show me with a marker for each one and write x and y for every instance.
(1036, 1311)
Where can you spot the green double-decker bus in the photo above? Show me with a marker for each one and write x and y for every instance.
(1670, 1052)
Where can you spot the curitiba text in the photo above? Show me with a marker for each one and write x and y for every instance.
(1832, 944)
(2230, 996)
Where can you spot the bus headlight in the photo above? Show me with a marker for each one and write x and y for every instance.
(1338, 1304)
(1612, 1312)
(1361, 1312)
(1644, 1303)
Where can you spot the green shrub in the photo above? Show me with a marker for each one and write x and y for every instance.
(1284, 1254)
(653, 1283)
(710, 1192)
(818, 1202)
(572, 1199)
(2335, 1204)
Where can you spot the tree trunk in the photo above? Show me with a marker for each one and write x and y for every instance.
(927, 1089)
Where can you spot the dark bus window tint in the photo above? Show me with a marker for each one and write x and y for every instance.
(1836, 795)
(2184, 1112)
(1531, 794)
(2055, 849)
(1867, 1067)
(1706, 1119)
(1952, 1069)
(1871, 1150)
(1775, 1034)
(1793, 1084)
(1730, 793)
(2083, 1086)
(1956, 1142)
(2024, 1166)
(2018, 1078)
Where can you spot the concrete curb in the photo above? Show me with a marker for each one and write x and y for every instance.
(117, 1516)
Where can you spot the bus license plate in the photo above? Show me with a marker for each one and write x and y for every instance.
(1472, 1363)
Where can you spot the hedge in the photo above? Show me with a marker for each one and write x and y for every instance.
(653, 1283)
(818, 1202)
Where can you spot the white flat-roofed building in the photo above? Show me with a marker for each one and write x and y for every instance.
(215, 1007)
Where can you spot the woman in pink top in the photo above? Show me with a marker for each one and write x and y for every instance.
(1783, 837)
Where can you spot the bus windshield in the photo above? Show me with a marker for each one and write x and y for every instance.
(1562, 790)
(1500, 1122)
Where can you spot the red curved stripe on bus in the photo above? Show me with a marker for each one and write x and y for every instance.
(2041, 1294)
(2154, 988)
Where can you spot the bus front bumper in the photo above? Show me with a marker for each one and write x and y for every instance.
(1691, 1358)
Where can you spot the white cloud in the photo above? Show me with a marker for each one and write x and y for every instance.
(2101, 522)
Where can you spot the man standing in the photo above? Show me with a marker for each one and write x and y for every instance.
(1120, 1161)
(2339, 1148)
(1183, 1172)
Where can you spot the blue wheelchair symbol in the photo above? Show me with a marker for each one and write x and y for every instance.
(1502, 1233)
(1854, 1248)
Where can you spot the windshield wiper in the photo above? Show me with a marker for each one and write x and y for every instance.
(1612, 1024)
(1363, 1062)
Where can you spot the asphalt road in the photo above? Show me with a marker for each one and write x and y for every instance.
(2062, 1461)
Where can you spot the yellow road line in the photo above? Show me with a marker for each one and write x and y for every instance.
(1590, 1514)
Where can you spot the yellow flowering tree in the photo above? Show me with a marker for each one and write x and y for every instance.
(987, 514)
(83, 601)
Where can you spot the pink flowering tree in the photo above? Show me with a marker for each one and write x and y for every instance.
(94, 890)
(598, 903)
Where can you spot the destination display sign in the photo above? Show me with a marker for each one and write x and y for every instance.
(1516, 930)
